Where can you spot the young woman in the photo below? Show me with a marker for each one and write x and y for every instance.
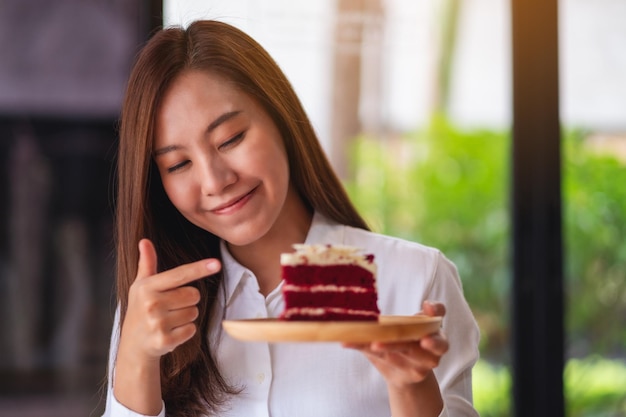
(219, 173)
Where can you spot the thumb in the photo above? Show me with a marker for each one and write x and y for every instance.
(147, 259)
(431, 308)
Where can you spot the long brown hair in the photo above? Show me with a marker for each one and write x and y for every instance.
(191, 382)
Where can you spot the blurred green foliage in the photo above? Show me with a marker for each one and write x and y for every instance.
(594, 387)
(594, 186)
(492, 385)
(449, 188)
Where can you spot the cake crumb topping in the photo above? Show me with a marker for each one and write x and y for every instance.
(324, 254)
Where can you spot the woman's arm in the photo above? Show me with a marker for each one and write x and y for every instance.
(419, 399)
(137, 382)
(113, 407)
(160, 317)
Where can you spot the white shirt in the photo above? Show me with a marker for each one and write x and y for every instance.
(324, 379)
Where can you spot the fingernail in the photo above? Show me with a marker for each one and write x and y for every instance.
(212, 265)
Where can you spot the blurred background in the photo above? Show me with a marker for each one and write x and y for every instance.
(412, 102)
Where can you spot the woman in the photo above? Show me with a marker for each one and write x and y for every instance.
(219, 172)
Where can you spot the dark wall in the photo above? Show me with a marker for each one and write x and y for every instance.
(63, 70)
(56, 250)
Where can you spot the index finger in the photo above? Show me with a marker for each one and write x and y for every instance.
(185, 274)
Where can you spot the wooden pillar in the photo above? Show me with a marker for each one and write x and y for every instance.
(538, 345)
(354, 19)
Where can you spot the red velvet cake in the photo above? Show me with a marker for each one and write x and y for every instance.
(325, 282)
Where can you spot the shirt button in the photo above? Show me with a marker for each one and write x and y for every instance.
(260, 378)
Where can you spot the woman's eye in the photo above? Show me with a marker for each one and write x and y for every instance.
(178, 166)
(232, 141)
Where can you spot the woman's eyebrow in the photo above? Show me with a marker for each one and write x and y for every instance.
(221, 119)
(165, 149)
(212, 126)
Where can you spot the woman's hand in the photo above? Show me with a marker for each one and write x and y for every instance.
(161, 307)
(160, 316)
(407, 368)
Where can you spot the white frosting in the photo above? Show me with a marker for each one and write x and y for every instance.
(324, 288)
(327, 255)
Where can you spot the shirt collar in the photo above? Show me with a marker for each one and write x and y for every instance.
(322, 231)
(234, 272)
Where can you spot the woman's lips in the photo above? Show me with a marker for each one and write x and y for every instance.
(235, 204)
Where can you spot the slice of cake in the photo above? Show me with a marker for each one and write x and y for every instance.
(325, 282)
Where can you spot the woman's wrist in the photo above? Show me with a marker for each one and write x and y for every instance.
(137, 383)
(416, 399)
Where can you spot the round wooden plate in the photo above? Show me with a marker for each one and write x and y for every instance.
(386, 329)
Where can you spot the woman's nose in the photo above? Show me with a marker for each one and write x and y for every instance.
(215, 175)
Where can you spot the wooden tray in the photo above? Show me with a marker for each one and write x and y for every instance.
(386, 329)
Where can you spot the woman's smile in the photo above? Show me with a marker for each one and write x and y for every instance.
(235, 204)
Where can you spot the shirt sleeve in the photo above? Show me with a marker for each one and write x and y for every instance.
(113, 407)
(454, 372)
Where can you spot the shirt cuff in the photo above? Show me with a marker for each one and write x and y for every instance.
(119, 410)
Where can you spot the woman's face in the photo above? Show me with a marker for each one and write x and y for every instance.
(221, 158)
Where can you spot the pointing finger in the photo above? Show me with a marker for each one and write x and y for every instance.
(184, 274)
